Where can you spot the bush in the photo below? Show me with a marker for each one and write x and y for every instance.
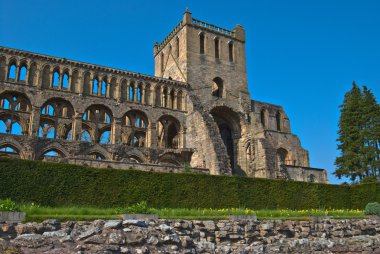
(7, 205)
(372, 209)
(141, 207)
(53, 184)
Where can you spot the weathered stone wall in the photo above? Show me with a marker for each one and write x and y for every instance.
(190, 236)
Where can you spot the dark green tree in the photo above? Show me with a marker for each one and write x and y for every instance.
(371, 134)
(358, 136)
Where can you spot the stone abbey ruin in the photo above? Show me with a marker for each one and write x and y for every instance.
(194, 114)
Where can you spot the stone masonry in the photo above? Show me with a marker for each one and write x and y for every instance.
(193, 236)
(196, 112)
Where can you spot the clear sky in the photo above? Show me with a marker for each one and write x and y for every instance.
(301, 54)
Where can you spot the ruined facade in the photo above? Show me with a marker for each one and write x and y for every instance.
(194, 114)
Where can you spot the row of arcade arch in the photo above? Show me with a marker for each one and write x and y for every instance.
(58, 120)
(92, 83)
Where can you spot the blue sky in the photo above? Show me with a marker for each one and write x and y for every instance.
(302, 55)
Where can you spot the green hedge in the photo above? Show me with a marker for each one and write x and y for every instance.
(52, 184)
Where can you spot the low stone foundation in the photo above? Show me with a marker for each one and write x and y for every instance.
(192, 236)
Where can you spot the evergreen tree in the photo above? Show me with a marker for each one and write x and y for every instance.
(359, 136)
(371, 134)
(349, 163)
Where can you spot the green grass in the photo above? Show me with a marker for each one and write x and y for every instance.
(37, 213)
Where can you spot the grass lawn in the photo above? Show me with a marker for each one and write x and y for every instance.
(37, 213)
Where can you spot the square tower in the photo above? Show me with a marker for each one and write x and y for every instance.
(209, 58)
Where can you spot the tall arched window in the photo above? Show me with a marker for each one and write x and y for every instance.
(162, 63)
(103, 90)
(278, 121)
(217, 88)
(264, 118)
(216, 42)
(95, 86)
(12, 71)
(231, 51)
(201, 43)
(55, 80)
(65, 81)
(177, 46)
(22, 74)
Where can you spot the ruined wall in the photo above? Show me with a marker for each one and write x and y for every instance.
(193, 236)
(54, 106)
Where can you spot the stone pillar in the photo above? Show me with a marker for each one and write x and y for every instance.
(175, 100)
(116, 131)
(37, 78)
(135, 92)
(60, 81)
(108, 89)
(118, 90)
(17, 77)
(34, 123)
(128, 83)
(153, 95)
(80, 83)
(77, 126)
(162, 99)
(167, 98)
(142, 93)
(152, 135)
(182, 138)
(69, 77)
(28, 65)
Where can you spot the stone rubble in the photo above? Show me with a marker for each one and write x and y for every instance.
(193, 236)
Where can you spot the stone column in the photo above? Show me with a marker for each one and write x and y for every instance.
(175, 100)
(108, 89)
(17, 77)
(128, 83)
(118, 90)
(80, 83)
(152, 135)
(37, 78)
(28, 65)
(142, 93)
(182, 138)
(162, 97)
(135, 92)
(167, 98)
(60, 81)
(77, 126)
(153, 95)
(69, 77)
(116, 134)
(34, 123)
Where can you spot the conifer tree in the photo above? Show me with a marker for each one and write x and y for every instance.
(359, 136)
(349, 163)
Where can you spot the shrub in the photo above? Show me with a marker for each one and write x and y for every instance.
(141, 207)
(372, 209)
(8, 205)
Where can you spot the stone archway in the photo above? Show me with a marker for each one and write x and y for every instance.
(228, 123)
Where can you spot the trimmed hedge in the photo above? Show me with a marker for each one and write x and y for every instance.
(52, 184)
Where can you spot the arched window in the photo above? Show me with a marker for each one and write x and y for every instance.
(168, 132)
(86, 136)
(22, 74)
(104, 88)
(65, 81)
(55, 82)
(131, 91)
(139, 93)
(52, 153)
(171, 103)
(97, 156)
(162, 63)
(231, 51)
(201, 43)
(105, 137)
(8, 149)
(264, 118)
(16, 129)
(216, 42)
(179, 100)
(12, 71)
(279, 121)
(177, 46)
(95, 86)
(5, 104)
(134, 128)
(158, 96)
(217, 88)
